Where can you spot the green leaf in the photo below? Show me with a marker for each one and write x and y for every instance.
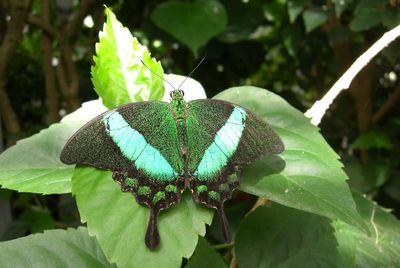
(119, 223)
(192, 23)
(307, 175)
(244, 18)
(373, 139)
(55, 248)
(367, 178)
(381, 248)
(365, 19)
(295, 7)
(119, 76)
(33, 164)
(205, 256)
(313, 18)
(279, 236)
(340, 6)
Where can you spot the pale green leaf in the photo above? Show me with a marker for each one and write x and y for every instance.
(33, 164)
(118, 75)
(54, 248)
(119, 223)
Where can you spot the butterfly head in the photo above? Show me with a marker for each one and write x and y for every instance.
(178, 103)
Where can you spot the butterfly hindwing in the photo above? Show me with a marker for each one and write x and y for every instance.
(139, 143)
(222, 137)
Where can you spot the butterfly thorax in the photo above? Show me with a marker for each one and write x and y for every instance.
(178, 110)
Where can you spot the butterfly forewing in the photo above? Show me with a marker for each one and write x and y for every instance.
(221, 137)
(139, 143)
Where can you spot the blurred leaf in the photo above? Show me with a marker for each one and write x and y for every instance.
(38, 219)
(118, 75)
(275, 11)
(365, 19)
(340, 6)
(205, 256)
(314, 17)
(33, 164)
(244, 18)
(119, 223)
(366, 178)
(392, 188)
(55, 248)
(373, 139)
(14, 230)
(391, 18)
(292, 39)
(306, 174)
(292, 238)
(295, 7)
(192, 23)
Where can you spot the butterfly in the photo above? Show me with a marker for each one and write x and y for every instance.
(157, 149)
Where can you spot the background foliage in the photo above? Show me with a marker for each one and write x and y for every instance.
(296, 49)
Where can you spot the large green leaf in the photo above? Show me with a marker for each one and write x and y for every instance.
(33, 164)
(205, 256)
(119, 76)
(192, 23)
(307, 175)
(119, 223)
(54, 248)
(278, 236)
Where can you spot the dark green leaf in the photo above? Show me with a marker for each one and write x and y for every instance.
(366, 178)
(205, 256)
(244, 18)
(373, 140)
(55, 248)
(295, 7)
(119, 223)
(192, 23)
(278, 236)
(119, 76)
(366, 19)
(381, 248)
(307, 175)
(340, 6)
(314, 17)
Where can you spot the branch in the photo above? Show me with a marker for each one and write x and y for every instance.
(390, 102)
(45, 26)
(317, 111)
(51, 89)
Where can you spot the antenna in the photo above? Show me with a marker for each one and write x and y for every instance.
(197, 66)
(157, 75)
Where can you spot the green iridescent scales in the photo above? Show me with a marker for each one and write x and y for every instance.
(156, 150)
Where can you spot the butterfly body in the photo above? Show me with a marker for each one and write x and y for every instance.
(156, 150)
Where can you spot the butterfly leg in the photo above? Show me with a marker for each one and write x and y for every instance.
(157, 197)
(214, 194)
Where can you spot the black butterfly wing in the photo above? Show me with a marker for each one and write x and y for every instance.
(139, 143)
(221, 137)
